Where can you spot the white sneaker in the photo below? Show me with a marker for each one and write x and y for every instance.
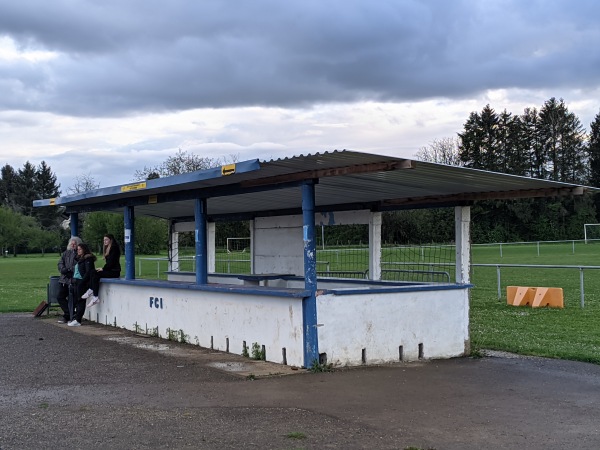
(74, 323)
(93, 301)
(87, 294)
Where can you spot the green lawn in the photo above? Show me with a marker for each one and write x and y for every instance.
(24, 280)
(569, 333)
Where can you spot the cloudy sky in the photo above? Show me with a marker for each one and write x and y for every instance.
(104, 88)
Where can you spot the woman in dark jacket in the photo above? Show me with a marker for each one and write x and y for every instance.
(111, 268)
(82, 277)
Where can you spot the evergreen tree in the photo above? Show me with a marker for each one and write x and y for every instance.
(513, 156)
(25, 192)
(479, 141)
(530, 144)
(562, 138)
(594, 159)
(8, 186)
(594, 152)
(484, 146)
(46, 187)
(550, 145)
(470, 145)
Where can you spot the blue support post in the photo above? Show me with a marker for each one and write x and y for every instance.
(201, 244)
(74, 219)
(309, 304)
(129, 219)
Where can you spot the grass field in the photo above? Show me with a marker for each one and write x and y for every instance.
(569, 333)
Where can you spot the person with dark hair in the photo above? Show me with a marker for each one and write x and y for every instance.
(111, 269)
(82, 276)
(66, 266)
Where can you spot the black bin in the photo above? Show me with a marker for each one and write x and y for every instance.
(53, 290)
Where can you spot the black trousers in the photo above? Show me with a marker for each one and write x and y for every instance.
(79, 303)
(102, 274)
(64, 302)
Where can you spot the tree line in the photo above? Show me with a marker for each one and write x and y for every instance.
(549, 143)
(23, 227)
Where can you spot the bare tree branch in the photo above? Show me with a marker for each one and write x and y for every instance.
(443, 151)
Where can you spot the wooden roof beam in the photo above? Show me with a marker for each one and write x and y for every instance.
(333, 172)
(474, 196)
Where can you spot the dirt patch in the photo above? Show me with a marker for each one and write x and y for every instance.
(227, 362)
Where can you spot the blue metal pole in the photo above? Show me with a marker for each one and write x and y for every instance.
(129, 219)
(74, 218)
(309, 304)
(201, 244)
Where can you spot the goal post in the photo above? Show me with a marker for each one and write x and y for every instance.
(238, 244)
(591, 232)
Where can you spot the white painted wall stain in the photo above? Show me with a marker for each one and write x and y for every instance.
(202, 315)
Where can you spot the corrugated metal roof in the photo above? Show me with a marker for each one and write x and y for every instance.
(345, 180)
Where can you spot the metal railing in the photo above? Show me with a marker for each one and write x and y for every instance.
(536, 266)
(499, 274)
(433, 275)
(431, 266)
(364, 274)
(163, 258)
(537, 244)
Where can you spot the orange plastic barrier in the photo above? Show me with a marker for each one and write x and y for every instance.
(534, 296)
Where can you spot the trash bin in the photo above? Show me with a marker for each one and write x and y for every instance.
(53, 290)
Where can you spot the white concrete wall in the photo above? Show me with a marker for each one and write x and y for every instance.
(278, 245)
(378, 322)
(275, 322)
(382, 322)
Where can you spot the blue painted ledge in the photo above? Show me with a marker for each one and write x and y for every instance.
(363, 286)
(213, 287)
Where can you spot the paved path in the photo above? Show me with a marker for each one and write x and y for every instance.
(105, 388)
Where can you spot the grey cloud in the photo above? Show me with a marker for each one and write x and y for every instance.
(119, 58)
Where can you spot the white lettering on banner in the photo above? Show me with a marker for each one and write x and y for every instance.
(156, 302)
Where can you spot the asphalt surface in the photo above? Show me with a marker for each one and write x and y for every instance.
(99, 387)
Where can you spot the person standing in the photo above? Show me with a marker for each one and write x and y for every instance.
(66, 267)
(111, 269)
(82, 277)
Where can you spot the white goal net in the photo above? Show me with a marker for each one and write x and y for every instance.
(591, 232)
(238, 245)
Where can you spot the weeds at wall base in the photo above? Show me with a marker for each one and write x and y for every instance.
(317, 367)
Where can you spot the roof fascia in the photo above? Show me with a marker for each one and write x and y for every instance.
(145, 187)
(191, 194)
